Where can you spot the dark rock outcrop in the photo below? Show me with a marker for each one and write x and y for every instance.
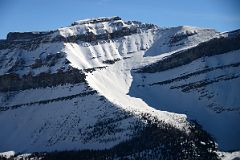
(28, 42)
(98, 20)
(19, 36)
(111, 61)
(14, 82)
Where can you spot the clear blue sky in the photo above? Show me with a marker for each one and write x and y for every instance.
(39, 15)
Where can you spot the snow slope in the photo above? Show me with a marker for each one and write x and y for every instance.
(179, 38)
(215, 105)
(105, 108)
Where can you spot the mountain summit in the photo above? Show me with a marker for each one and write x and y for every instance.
(106, 87)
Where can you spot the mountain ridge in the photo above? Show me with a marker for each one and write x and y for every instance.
(87, 72)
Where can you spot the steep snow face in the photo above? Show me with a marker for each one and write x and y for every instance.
(85, 55)
(178, 38)
(155, 42)
(126, 53)
(119, 56)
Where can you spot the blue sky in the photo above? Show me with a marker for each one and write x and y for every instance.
(40, 15)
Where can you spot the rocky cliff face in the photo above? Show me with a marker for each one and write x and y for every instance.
(75, 88)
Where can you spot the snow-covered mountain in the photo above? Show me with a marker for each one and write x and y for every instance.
(109, 84)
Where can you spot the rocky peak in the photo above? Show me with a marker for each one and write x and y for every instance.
(96, 20)
(103, 27)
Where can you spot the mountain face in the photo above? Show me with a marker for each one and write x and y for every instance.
(106, 88)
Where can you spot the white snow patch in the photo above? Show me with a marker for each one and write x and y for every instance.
(7, 154)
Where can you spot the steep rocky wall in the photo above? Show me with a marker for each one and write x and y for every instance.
(13, 36)
(13, 82)
(26, 44)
